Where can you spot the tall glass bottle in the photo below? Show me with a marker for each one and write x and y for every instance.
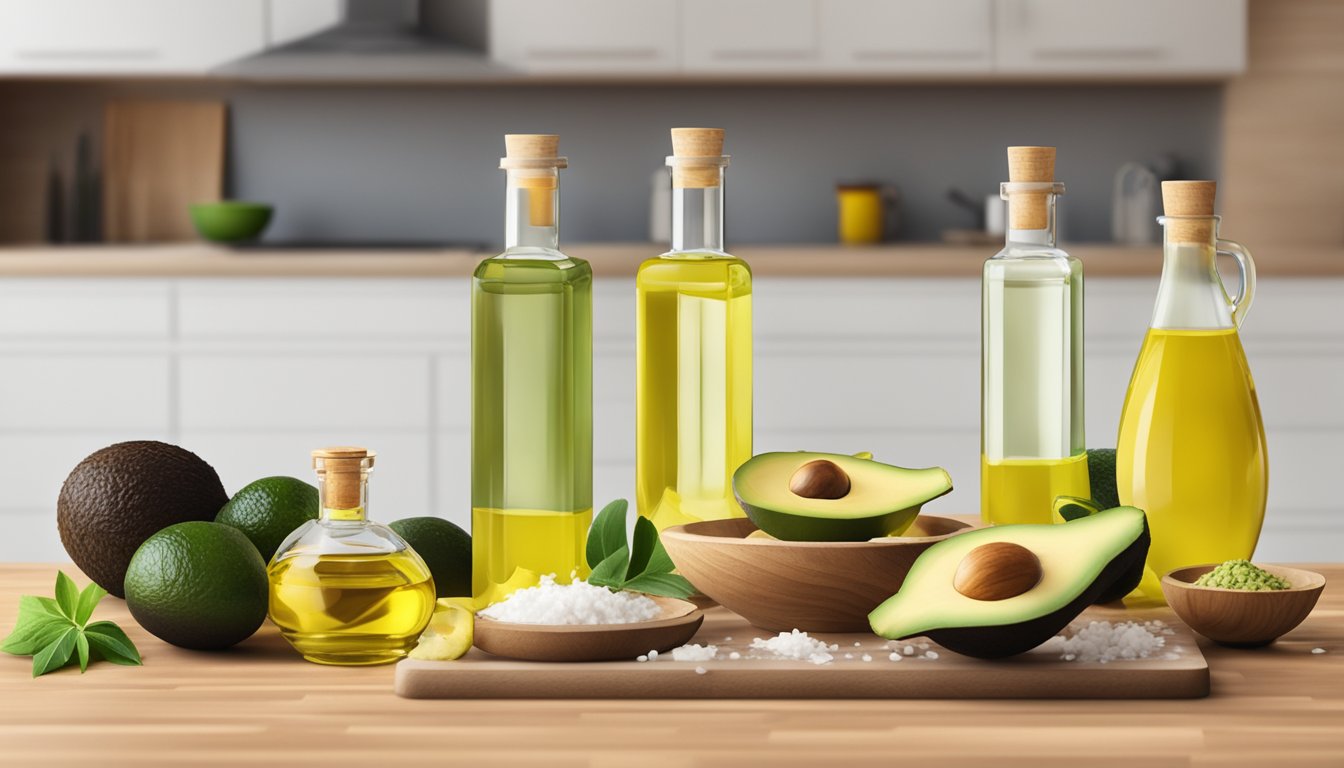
(693, 350)
(1031, 431)
(344, 589)
(531, 390)
(1191, 449)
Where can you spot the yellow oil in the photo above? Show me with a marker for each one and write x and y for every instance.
(693, 402)
(1191, 450)
(540, 541)
(351, 609)
(1024, 490)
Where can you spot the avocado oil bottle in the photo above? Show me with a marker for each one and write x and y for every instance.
(344, 589)
(1031, 428)
(693, 350)
(531, 386)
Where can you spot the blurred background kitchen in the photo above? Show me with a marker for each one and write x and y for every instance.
(868, 143)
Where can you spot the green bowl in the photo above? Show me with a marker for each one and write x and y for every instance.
(230, 221)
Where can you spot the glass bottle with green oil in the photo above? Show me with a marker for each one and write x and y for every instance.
(1031, 429)
(693, 350)
(346, 590)
(532, 389)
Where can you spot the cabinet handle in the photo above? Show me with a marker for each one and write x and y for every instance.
(593, 53)
(742, 54)
(880, 55)
(1119, 52)
(118, 54)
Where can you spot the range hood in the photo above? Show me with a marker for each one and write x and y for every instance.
(383, 40)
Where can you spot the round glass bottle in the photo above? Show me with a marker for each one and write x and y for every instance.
(344, 589)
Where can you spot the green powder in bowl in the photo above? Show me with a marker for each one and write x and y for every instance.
(1241, 574)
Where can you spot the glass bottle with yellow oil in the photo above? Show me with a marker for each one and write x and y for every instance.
(1191, 450)
(531, 385)
(344, 589)
(693, 350)
(1031, 429)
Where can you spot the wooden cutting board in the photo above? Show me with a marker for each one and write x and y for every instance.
(1180, 673)
(159, 157)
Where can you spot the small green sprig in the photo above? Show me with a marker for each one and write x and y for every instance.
(55, 631)
(643, 565)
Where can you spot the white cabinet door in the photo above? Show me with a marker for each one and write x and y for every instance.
(734, 36)
(97, 37)
(600, 37)
(290, 20)
(1103, 37)
(906, 36)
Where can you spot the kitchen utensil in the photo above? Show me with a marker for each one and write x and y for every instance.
(159, 158)
(785, 585)
(866, 212)
(677, 622)
(1178, 672)
(1134, 200)
(230, 221)
(1238, 617)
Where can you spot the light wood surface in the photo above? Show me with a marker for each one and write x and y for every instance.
(159, 158)
(260, 705)
(608, 260)
(1039, 674)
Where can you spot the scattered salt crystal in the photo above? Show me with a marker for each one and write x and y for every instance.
(734, 655)
(894, 656)
(849, 655)
(653, 655)
(793, 645)
(728, 639)
(1102, 641)
(695, 652)
(642, 657)
(700, 670)
(909, 650)
(575, 603)
(858, 645)
(930, 654)
(867, 657)
(1318, 650)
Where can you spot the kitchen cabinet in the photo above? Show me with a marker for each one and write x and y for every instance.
(737, 36)
(97, 37)
(1139, 37)
(290, 20)
(907, 36)
(599, 37)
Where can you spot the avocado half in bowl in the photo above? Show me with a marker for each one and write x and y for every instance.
(805, 496)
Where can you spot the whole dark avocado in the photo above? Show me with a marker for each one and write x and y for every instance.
(123, 494)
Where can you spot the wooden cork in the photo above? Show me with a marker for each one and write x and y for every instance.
(342, 468)
(1189, 198)
(539, 153)
(1028, 210)
(531, 146)
(692, 144)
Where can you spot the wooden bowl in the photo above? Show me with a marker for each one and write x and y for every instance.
(1237, 617)
(677, 622)
(811, 586)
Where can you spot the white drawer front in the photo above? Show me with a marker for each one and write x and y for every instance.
(298, 391)
(85, 392)
(102, 309)
(786, 310)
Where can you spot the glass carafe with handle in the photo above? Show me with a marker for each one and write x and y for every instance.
(1191, 449)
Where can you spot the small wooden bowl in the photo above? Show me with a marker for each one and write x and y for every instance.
(1237, 617)
(677, 623)
(811, 586)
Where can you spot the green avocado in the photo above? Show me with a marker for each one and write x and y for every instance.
(805, 496)
(1101, 470)
(1078, 562)
(1070, 508)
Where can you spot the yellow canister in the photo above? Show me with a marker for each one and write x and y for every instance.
(864, 212)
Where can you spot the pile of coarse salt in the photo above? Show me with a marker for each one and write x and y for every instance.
(794, 646)
(575, 603)
(1102, 641)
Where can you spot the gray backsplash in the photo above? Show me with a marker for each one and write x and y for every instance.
(420, 163)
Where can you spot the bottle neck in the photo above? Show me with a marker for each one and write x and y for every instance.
(697, 210)
(343, 496)
(1191, 294)
(532, 208)
(1031, 218)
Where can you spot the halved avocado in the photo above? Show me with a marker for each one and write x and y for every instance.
(864, 500)
(1070, 508)
(1079, 561)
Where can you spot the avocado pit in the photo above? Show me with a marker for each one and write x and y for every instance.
(820, 479)
(997, 571)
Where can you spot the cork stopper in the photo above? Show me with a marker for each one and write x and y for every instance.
(1032, 165)
(535, 156)
(697, 155)
(1189, 198)
(342, 468)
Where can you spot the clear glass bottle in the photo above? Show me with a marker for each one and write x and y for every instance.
(344, 589)
(693, 350)
(1031, 434)
(531, 390)
(1191, 448)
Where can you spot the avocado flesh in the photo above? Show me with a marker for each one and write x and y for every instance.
(1080, 561)
(1070, 508)
(883, 500)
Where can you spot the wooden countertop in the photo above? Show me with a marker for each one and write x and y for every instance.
(608, 260)
(260, 704)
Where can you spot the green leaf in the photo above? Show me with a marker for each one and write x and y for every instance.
(88, 600)
(56, 654)
(67, 595)
(35, 634)
(49, 607)
(644, 543)
(82, 647)
(662, 584)
(611, 571)
(660, 561)
(607, 533)
(112, 643)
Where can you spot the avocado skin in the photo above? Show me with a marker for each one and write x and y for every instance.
(788, 527)
(1129, 580)
(1011, 639)
(122, 494)
(1101, 471)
